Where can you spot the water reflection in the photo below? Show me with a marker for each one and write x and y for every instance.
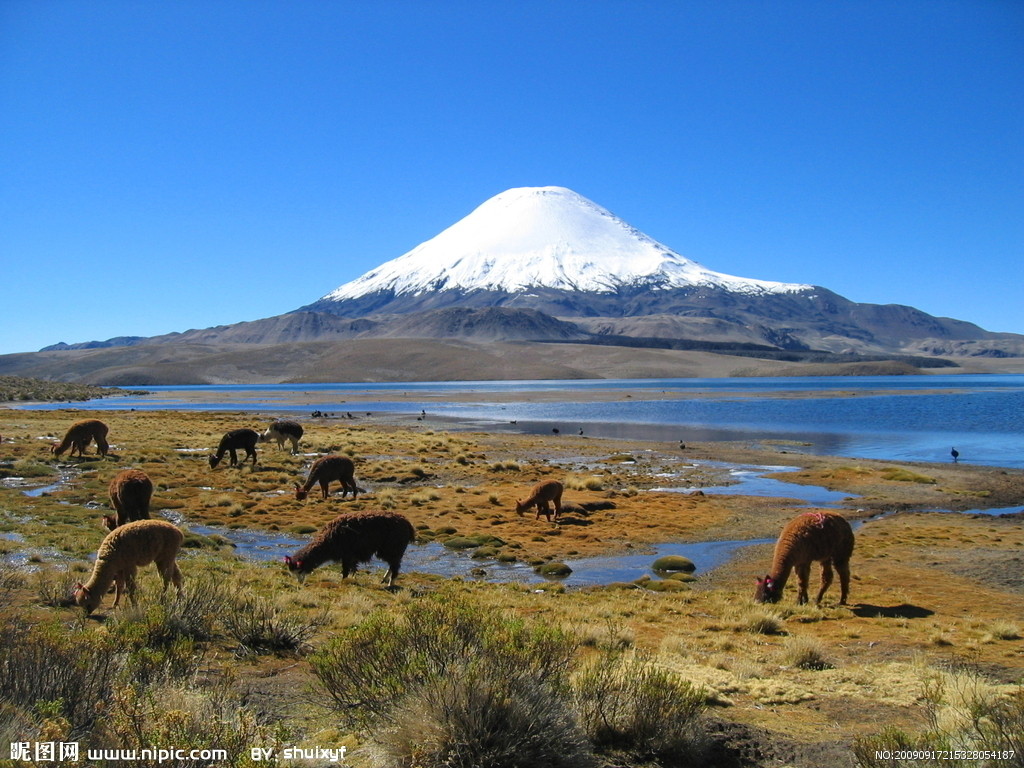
(750, 481)
(433, 558)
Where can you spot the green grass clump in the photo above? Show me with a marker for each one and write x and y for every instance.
(674, 563)
(903, 475)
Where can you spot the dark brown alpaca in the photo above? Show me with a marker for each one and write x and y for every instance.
(324, 471)
(353, 539)
(821, 536)
(543, 492)
(237, 439)
(130, 493)
(79, 435)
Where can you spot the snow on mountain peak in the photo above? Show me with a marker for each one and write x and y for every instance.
(550, 237)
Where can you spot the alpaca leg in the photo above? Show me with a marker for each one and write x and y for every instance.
(234, 456)
(393, 565)
(251, 452)
(323, 487)
(129, 582)
(826, 580)
(558, 506)
(803, 576)
(170, 573)
(844, 581)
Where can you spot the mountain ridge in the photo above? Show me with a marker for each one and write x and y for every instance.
(536, 266)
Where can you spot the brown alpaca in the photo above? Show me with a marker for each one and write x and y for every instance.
(244, 439)
(123, 552)
(353, 539)
(281, 431)
(79, 435)
(543, 492)
(325, 470)
(812, 536)
(130, 493)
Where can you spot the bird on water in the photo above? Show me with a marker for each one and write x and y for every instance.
(955, 454)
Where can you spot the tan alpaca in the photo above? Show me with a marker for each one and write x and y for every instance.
(543, 492)
(125, 550)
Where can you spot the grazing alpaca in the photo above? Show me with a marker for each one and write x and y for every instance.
(353, 539)
(325, 470)
(542, 493)
(823, 536)
(281, 431)
(123, 552)
(244, 439)
(130, 492)
(79, 435)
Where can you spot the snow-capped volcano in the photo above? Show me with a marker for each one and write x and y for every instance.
(542, 237)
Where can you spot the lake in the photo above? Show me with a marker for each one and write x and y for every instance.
(903, 418)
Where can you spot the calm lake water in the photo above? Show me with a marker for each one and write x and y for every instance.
(904, 418)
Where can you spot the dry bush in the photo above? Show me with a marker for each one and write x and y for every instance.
(805, 653)
(186, 718)
(628, 703)
(261, 627)
(71, 670)
(964, 713)
(482, 716)
(393, 654)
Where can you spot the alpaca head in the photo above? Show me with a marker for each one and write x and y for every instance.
(85, 598)
(109, 522)
(767, 591)
(214, 461)
(521, 507)
(300, 492)
(295, 566)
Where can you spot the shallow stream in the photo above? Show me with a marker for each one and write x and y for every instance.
(434, 558)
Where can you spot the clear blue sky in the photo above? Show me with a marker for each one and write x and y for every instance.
(176, 165)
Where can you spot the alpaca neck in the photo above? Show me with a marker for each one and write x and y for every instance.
(312, 556)
(780, 574)
(103, 575)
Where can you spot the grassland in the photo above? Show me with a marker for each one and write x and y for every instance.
(24, 389)
(936, 613)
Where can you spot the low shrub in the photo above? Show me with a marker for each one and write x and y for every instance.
(480, 715)
(394, 654)
(72, 669)
(261, 627)
(963, 712)
(628, 703)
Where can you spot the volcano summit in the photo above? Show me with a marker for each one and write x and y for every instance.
(541, 237)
